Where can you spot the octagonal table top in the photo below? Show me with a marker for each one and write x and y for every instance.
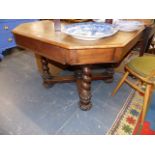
(44, 31)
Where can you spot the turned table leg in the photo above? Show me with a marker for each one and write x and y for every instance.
(85, 89)
(109, 72)
(46, 75)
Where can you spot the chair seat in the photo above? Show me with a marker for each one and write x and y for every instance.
(143, 65)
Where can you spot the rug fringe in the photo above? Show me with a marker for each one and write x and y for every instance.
(119, 115)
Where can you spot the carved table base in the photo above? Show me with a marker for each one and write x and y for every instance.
(46, 75)
(83, 79)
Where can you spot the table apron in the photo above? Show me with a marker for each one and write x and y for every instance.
(78, 56)
(44, 49)
(91, 56)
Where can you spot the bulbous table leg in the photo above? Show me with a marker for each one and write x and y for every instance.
(46, 75)
(85, 90)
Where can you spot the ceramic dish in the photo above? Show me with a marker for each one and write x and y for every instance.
(90, 30)
(129, 26)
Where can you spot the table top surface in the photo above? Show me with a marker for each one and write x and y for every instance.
(44, 31)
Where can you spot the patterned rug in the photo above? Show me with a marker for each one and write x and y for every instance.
(127, 121)
(128, 118)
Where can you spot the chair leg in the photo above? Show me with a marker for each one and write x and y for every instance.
(146, 101)
(120, 83)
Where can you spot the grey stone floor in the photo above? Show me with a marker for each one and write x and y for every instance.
(26, 107)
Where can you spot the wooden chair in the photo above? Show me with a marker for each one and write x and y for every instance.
(143, 68)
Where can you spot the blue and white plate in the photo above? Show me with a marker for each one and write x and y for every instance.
(90, 30)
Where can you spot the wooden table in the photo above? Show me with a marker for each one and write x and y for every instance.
(41, 38)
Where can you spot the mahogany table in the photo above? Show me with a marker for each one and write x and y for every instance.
(41, 38)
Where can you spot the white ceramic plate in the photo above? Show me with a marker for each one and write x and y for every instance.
(129, 26)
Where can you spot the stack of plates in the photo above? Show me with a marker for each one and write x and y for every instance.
(129, 26)
(90, 30)
(104, 20)
(99, 20)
